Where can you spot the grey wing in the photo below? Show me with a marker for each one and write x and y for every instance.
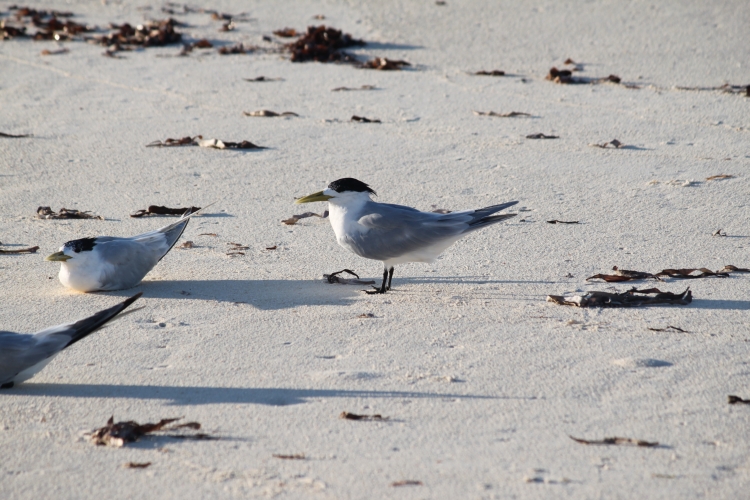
(395, 230)
(19, 352)
(163, 239)
(124, 262)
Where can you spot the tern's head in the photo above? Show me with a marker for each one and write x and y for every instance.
(342, 191)
(73, 250)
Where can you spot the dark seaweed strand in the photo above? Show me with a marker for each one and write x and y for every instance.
(350, 184)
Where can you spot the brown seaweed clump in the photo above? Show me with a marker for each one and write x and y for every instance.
(323, 44)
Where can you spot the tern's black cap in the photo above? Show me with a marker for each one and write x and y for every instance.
(82, 245)
(350, 184)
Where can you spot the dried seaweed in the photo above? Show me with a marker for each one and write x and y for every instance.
(363, 87)
(120, 433)
(47, 22)
(565, 76)
(411, 482)
(203, 43)
(494, 72)
(624, 275)
(296, 456)
(362, 119)
(238, 48)
(614, 143)
(727, 88)
(562, 222)
(510, 114)
(617, 441)
(136, 465)
(209, 234)
(719, 232)
(64, 213)
(287, 33)
(668, 328)
(625, 299)
(148, 34)
(19, 251)
(542, 136)
(733, 400)
(295, 218)
(384, 64)
(365, 418)
(46, 52)
(263, 79)
(188, 244)
(720, 177)
(689, 273)
(11, 136)
(335, 278)
(323, 44)
(198, 140)
(732, 269)
(268, 113)
(159, 210)
(366, 315)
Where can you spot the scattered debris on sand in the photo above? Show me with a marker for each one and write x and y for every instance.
(296, 456)
(64, 213)
(187, 245)
(296, 218)
(510, 114)
(614, 143)
(689, 273)
(335, 278)
(631, 298)
(410, 482)
(362, 119)
(268, 113)
(565, 76)
(20, 251)
(563, 222)
(494, 72)
(198, 140)
(12, 136)
(384, 64)
(542, 136)
(719, 232)
(263, 79)
(733, 400)
(720, 177)
(323, 44)
(287, 33)
(353, 416)
(136, 465)
(149, 34)
(667, 328)
(363, 87)
(57, 52)
(620, 441)
(120, 433)
(160, 210)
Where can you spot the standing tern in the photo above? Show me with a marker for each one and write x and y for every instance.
(395, 234)
(108, 263)
(23, 356)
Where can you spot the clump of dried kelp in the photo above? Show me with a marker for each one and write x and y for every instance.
(353, 416)
(160, 210)
(120, 433)
(296, 218)
(148, 34)
(47, 22)
(617, 441)
(21, 250)
(689, 273)
(198, 140)
(631, 298)
(64, 213)
(323, 44)
(335, 278)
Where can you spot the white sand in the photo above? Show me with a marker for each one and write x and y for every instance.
(482, 378)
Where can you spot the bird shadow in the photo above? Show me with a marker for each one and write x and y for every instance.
(262, 294)
(470, 280)
(191, 395)
(742, 305)
(392, 46)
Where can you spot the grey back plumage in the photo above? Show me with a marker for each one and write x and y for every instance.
(395, 230)
(19, 352)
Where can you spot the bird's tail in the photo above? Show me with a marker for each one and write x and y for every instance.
(173, 231)
(483, 216)
(87, 326)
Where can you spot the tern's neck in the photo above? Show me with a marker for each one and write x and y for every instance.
(344, 211)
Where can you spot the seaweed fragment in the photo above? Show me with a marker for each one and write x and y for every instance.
(148, 34)
(733, 400)
(384, 64)
(353, 416)
(296, 218)
(688, 273)
(335, 278)
(411, 482)
(494, 72)
(136, 465)
(617, 441)
(64, 213)
(296, 456)
(323, 44)
(362, 119)
(120, 433)
(21, 250)
(268, 113)
(287, 33)
(160, 210)
(542, 136)
(263, 79)
(720, 177)
(562, 222)
(614, 143)
(565, 76)
(510, 114)
(363, 87)
(630, 298)
(198, 140)
(667, 328)
(12, 136)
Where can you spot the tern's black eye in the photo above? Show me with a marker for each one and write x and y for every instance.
(82, 245)
(350, 184)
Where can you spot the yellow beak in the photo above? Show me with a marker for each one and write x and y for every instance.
(58, 256)
(319, 196)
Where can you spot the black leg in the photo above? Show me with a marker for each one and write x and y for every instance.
(390, 278)
(382, 287)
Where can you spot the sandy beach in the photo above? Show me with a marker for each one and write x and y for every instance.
(479, 380)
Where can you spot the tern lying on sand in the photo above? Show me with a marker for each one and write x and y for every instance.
(395, 234)
(107, 263)
(23, 356)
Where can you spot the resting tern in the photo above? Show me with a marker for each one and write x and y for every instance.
(395, 234)
(108, 263)
(23, 356)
